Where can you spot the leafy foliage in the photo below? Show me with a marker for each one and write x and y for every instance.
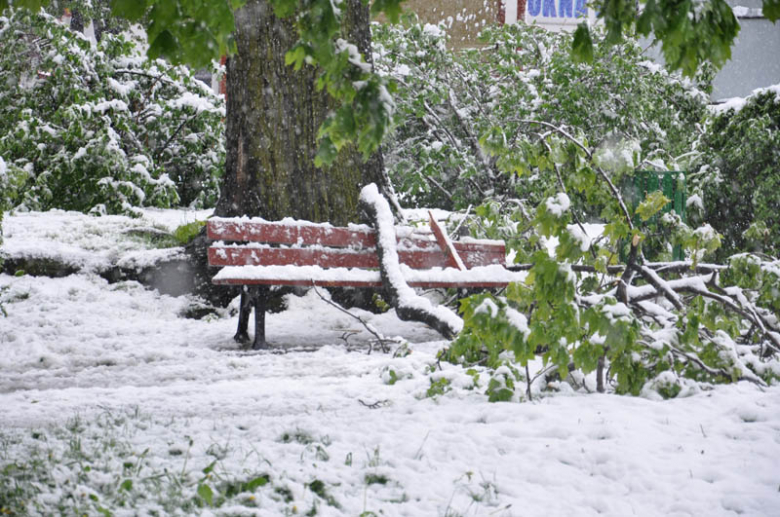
(563, 137)
(738, 174)
(471, 126)
(101, 128)
(650, 341)
(198, 32)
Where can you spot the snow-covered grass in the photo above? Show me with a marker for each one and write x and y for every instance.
(110, 400)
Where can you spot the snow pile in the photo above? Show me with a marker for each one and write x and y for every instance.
(737, 103)
(90, 243)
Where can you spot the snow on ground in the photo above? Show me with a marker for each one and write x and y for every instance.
(111, 400)
(86, 242)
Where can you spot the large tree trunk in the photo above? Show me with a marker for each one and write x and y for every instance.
(273, 114)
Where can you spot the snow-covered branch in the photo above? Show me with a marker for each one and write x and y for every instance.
(408, 304)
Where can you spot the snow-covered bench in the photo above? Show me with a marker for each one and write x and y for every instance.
(256, 253)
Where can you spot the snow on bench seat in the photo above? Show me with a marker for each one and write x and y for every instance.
(478, 277)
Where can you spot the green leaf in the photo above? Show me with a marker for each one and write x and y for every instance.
(205, 493)
(771, 10)
(284, 8)
(127, 485)
(326, 153)
(251, 486)
(165, 13)
(391, 8)
(210, 468)
(132, 10)
(654, 203)
(31, 5)
(163, 45)
(296, 57)
(582, 46)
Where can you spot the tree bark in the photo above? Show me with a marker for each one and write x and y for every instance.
(77, 21)
(273, 115)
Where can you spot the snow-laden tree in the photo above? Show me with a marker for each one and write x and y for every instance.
(89, 126)
(463, 118)
(552, 143)
(738, 173)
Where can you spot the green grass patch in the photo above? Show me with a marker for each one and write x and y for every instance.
(376, 479)
(91, 467)
(186, 232)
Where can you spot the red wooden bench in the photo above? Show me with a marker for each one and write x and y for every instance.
(258, 253)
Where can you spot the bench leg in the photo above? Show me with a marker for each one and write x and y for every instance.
(245, 306)
(260, 296)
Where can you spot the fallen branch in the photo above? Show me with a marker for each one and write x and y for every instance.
(408, 305)
(375, 405)
(660, 284)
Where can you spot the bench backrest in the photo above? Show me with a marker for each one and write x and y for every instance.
(302, 243)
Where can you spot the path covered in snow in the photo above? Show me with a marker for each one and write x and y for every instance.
(110, 376)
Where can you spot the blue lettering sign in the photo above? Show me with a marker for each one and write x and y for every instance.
(549, 8)
(582, 9)
(535, 7)
(565, 9)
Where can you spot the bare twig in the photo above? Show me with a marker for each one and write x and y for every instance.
(379, 337)
(466, 127)
(161, 149)
(375, 405)
(463, 220)
(439, 186)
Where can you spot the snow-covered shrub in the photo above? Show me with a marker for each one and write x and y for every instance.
(740, 175)
(462, 132)
(549, 143)
(660, 343)
(99, 127)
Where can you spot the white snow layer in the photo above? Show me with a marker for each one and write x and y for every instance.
(90, 243)
(737, 103)
(558, 205)
(78, 347)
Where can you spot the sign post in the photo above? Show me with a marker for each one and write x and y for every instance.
(558, 15)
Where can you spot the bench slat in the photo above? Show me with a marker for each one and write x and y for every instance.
(465, 284)
(280, 233)
(334, 257)
(329, 236)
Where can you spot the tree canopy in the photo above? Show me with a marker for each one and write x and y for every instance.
(195, 32)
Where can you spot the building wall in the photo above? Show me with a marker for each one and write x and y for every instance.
(465, 18)
(755, 57)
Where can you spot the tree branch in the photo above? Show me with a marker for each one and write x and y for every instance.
(408, 305)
